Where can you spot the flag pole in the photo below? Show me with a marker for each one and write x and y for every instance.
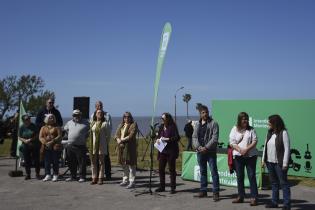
(16, 172)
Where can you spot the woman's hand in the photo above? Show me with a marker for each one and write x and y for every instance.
(243, 151)
(263, 164)
(284, 168)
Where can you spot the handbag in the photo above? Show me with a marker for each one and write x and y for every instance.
(230, 159)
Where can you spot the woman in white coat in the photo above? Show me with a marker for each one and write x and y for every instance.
(98, 141)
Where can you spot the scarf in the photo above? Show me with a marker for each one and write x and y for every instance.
(97, 137)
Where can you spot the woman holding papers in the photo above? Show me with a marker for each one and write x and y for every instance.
(127, 149)
(168, 133)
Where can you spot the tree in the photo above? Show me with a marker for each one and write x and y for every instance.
(186, 99)
(36, 102)
(27, 88)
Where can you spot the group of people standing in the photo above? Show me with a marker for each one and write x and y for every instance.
(44, 141)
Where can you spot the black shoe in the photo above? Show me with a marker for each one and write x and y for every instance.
(27, 177)
(216, 197)
(271, 206)
(238, 200)
(201, 194)
(286, 208)
(38, 177)
(253, 202)
(173, 191)
(160, 189)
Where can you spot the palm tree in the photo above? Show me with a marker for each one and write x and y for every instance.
(186, 99)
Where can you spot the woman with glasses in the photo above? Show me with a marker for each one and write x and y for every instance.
(276, 157)
(243, 140)
(28, 136)
(98, 142)
(127, 149)
(168, 133)
(50, 137)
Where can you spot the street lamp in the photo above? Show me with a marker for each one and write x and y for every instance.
(175, 100)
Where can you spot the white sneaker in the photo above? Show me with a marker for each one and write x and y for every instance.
(55, 178)
(70, 179)
(123, 183)
(131, 185)
(81, 180)
(47, 178)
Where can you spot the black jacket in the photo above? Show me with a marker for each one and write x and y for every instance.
(43, 112)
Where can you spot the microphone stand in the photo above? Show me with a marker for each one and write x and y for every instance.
(151, 143)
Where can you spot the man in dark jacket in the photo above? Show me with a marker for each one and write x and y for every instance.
(189, 129)
(205, 140)
(48, 109)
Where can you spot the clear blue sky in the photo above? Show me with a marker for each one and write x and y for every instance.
(107, 50)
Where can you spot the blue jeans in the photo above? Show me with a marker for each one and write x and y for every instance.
(211, 159)
(279, 177)
(250, 163)
(52, 157)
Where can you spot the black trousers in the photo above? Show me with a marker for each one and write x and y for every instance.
(171, 161)
(108, 167)
(77, 159)
(31, 154)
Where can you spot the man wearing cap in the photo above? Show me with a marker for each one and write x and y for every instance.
(77, 131)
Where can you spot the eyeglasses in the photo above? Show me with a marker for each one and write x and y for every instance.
(51, 102)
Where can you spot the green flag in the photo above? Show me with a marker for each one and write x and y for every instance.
(166, 35)
(21, 113)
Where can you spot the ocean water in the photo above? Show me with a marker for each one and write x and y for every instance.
(144, 123)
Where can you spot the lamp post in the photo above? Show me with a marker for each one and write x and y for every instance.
(175, 100)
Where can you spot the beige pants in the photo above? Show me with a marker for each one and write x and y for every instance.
(129, 173)
(95, 173)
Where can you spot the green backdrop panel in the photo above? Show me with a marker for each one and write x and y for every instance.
(298, 116)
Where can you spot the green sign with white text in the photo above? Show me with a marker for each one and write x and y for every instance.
(298, 116)
(191, 170)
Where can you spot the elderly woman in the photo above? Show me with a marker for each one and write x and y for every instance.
(127, 149)
(50, 137)
(168, 132)
(98, 142)
(28, 136)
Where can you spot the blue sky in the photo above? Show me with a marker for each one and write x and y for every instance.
(107, 50)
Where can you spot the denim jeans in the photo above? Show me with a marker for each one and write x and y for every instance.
(52, 157)
(250, 163)
(279, 177)
(211, 159)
